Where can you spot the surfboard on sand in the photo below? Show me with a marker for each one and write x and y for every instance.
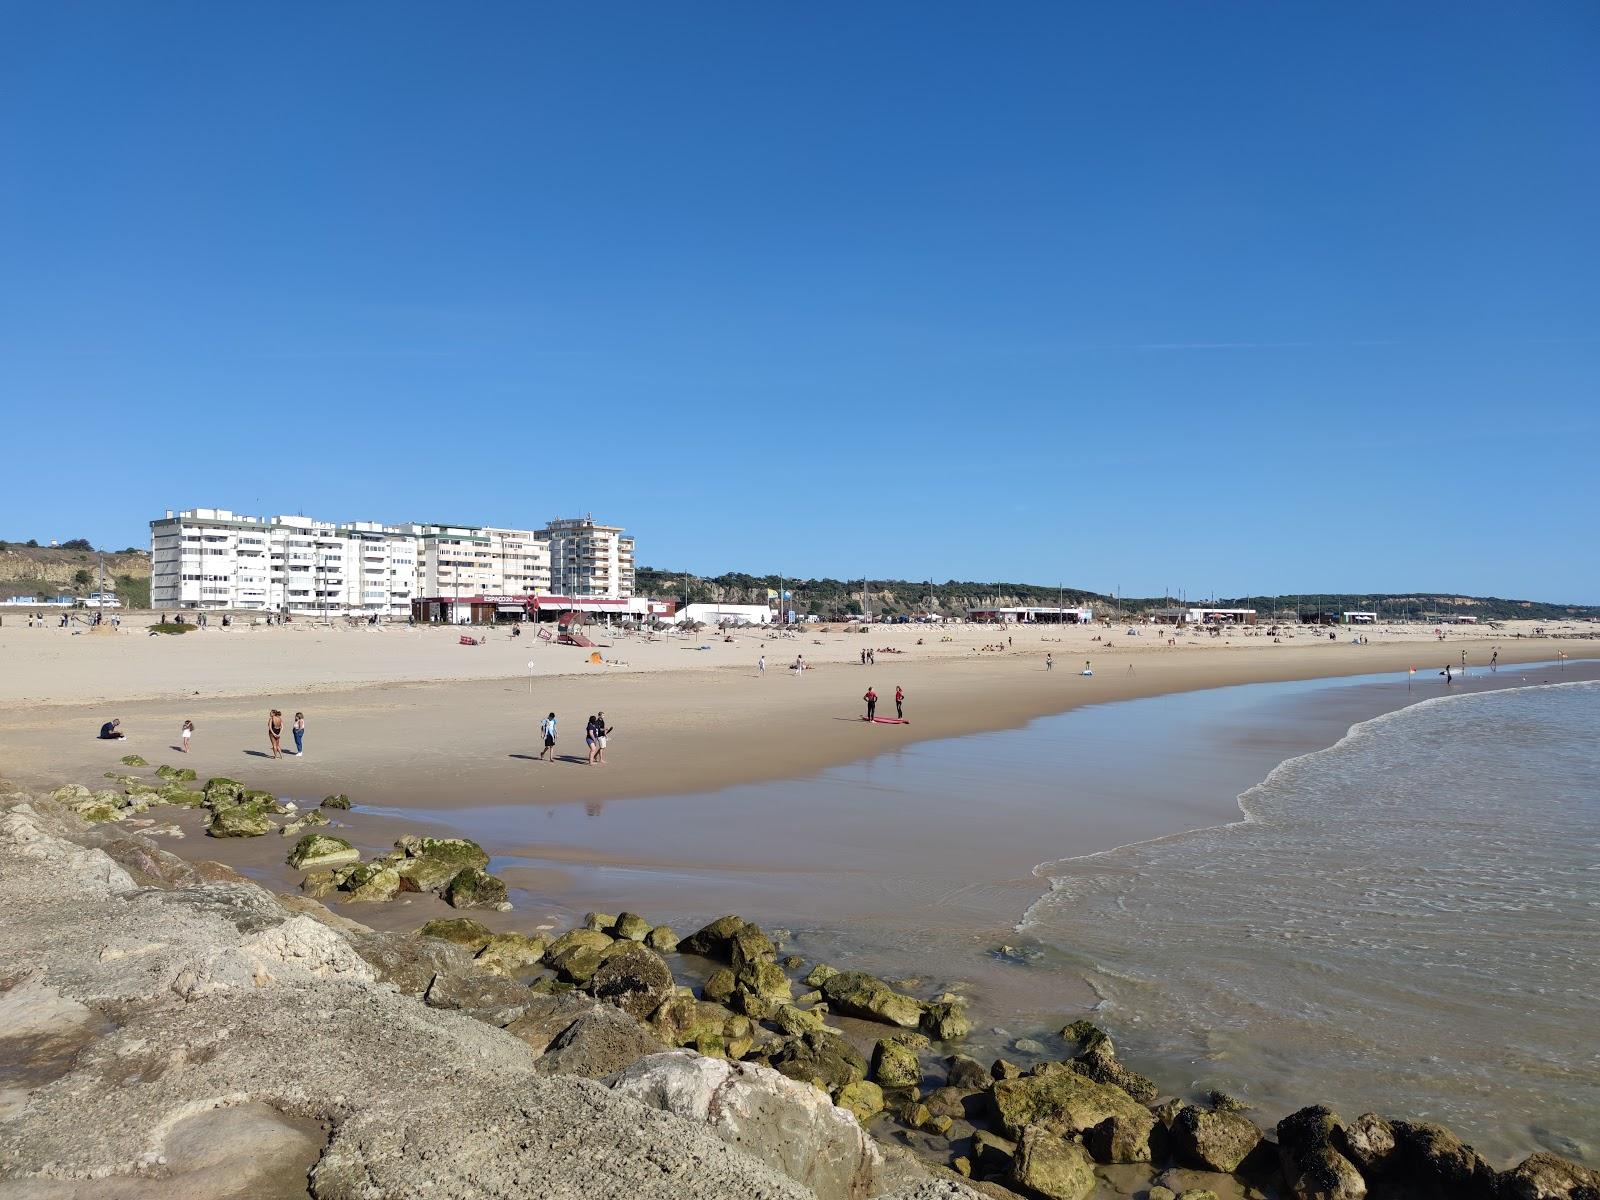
(888, 721)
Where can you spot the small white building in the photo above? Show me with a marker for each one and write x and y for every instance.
(725, 614)
(102, 600)
(1032, 615)
(1360, 618)
(1206, 616)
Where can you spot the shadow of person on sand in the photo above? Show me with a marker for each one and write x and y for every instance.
(525, 757)
(258, 754)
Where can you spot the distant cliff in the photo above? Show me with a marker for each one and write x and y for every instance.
(55, 571)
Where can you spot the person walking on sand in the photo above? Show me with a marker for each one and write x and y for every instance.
(761, 664)
(1494, 659)
(899, 702)
(184, 734)
(547, 728)
(1049, 662)
(591, 738)
(275, 733)
(872, 703)
(602, 731)
(299, 731)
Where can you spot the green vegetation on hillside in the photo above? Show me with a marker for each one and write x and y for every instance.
(834, 598)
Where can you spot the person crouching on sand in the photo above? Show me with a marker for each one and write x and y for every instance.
(872, 702)
(111, 731)
(184, 734)
(275, 733)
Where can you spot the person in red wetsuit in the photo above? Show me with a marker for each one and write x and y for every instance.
(899, 702)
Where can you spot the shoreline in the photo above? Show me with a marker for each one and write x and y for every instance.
(1063, 1107)
(845, 918)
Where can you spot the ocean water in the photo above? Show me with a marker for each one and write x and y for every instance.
(1406, 922)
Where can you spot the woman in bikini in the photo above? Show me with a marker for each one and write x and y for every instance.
(275, 732)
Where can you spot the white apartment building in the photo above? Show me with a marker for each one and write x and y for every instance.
(215, 558)
(588, 559)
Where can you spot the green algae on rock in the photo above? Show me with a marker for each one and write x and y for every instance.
(322, 850)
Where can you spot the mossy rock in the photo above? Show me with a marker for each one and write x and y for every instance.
(337, 800)
(820, 1055)
(371, 883)
(473, 888)
(946, 1020)
(1063, 1101)
(719, 986)
(796, 1022)
(712, 940)
(764, 979)
(599, 922)
(318, 884)
(683, 1020)
(463, 931)
(239, 820)
(857, 994)
(510, 953)
(257, 796)
(661, 939)
(819, 975)
(313, 817)
(895, 1065)
(427, 874)
(631, 926)
(863, 1098)
(221, 789)
(100, 812)
(133, 760)
(182, 797)
(176, 774)
(463, 851)
(321, 850)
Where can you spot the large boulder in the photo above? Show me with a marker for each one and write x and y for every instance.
(489, 998)
(472, 888)
(895, 1065)
(1048, 1165)
(600, 1042)
(320, 851)
(631, 926)
(545, 1018)
(575, 955)
(176, 774)
(1544, 1176)
(1368, 1141)
(685, 1021)
(711, 941)
(337, 800)
(1120, 1139)
(510, 953)
(409, 963)
(1432, 1158)
(372, 883)
(786, 1125)
(219, 789)
(945, 1019)
(1313, 1167)
(1213, 1141)
(429, 864)
(857, 994)
(748, 944)
(634, 978)
(765, 979)
(822, 1057)
(1099, 1063)
(661, 939)
(1062, 1101)
(246, 819)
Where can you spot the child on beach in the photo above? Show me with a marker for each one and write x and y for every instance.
(299, 731)
(184, 735)
(547, 727)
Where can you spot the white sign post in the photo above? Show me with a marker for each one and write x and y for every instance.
(530, 677)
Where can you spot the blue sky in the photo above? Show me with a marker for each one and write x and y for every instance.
(1229, 298)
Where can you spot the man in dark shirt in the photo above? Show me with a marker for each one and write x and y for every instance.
(109, 731)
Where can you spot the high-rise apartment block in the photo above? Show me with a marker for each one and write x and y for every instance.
(588, 559)
(214, 558)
